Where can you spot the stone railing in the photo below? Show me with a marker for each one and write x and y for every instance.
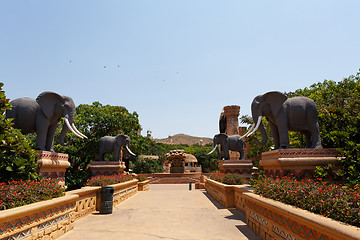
(223, 193)
(144, 186)
(42, 220)
(52, 218)
(86, 203)
(123, 191)
(275, 220)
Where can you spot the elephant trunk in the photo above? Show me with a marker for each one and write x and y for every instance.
(63, 133)
(263, 134)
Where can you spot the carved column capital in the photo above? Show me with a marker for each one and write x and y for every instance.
(232, 111)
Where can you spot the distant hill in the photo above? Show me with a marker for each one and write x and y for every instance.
(184, 139)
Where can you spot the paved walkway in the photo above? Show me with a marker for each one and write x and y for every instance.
(167, 211)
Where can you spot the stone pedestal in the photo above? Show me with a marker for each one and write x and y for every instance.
(300, 163)
(243, 167)
(107, 168)
(53, 165)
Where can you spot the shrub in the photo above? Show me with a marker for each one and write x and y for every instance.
(330, 200)
(19, 193)
(233, 179)
(102, 180)
(17, 159)
(147, 165)
(141, 177)
(230, 178)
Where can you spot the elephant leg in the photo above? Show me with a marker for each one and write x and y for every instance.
(117, 153)
(101, 156)
(227, 154)
(283, 136)
(242, 154)
(315, 137)
(42, 127)
(50, 137)
(307, 139)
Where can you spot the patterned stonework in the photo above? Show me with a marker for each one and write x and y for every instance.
(300, 163)
(283, 226)
(53, 165)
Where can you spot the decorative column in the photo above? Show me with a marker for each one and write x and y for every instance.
(53, 165)
(232, 125)
(234, 165)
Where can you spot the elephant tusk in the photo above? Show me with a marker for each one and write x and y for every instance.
(213, 149)
(247, 133)
(257, 126)
(76, 130)
(71, 129)
(127, 148)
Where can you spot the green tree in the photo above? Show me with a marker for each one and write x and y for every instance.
(147, 165)
(208, 162)
(17, 160)
(339, 119)
(95, 121)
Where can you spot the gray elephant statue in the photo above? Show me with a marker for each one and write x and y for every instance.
(233, 143)
(109, 144)
(41, 115)
(297, 114)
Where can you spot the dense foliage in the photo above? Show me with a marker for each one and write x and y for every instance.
(339, 119)
(102, 180)
(147, 147)
(209, 163)
(227, 178)
(96, 121)
(146, 165)
(19, 193)
(329, 200)
(17, 159)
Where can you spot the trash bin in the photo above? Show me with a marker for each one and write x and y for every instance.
(106, 199)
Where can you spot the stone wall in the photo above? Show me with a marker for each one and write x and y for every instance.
(277, 221)
(52, 218)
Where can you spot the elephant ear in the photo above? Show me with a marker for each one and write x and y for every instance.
(275, 100)
(222, 122)
(120, 139)
(47, 102)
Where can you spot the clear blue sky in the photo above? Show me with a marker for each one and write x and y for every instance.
(176, 63)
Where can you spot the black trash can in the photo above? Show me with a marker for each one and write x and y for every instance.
(106, 199)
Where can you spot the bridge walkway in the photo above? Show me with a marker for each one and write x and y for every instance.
(167, 211)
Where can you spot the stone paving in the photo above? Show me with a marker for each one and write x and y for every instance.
(167, 211)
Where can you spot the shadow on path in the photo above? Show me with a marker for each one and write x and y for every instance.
(236, 215)
(216, 203)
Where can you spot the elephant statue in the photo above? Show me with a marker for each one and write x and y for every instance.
(294, 114)
(108, 144)
(41, 115)
(233, 143)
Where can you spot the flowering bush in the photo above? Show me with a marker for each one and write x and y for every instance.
(141, 177)
(330, 200)
(229, 178)
(19, 193)
(102, 180)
